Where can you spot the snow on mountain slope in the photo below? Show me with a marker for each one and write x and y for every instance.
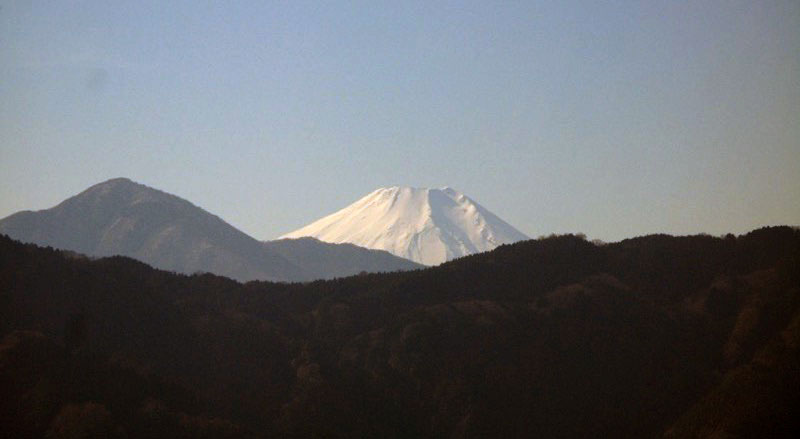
(428, 226)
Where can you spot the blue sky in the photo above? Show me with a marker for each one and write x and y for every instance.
(614, 119)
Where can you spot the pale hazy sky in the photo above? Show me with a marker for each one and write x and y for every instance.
(615, 119)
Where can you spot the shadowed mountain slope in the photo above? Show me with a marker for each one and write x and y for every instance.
(681, 336)
(328, 260)
(121, 217)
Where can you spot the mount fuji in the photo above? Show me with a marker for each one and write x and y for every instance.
(429, 226)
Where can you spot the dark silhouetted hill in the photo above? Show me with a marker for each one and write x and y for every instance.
(679, 336)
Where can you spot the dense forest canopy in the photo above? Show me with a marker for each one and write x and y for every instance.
(557, 337)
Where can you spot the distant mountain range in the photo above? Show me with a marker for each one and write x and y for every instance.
(121, 217)
(429, 226)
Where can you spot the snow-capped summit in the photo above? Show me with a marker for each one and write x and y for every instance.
(428, 226)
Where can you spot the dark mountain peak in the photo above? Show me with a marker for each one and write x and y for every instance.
(124, 190)
(117, 181)
(115, 185)
(123, 217)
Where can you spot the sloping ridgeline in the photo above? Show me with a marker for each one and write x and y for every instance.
(558, 337)
(121, 217)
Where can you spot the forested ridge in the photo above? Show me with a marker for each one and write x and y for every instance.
(692, 336)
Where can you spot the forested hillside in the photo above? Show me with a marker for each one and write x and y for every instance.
(557, 337)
